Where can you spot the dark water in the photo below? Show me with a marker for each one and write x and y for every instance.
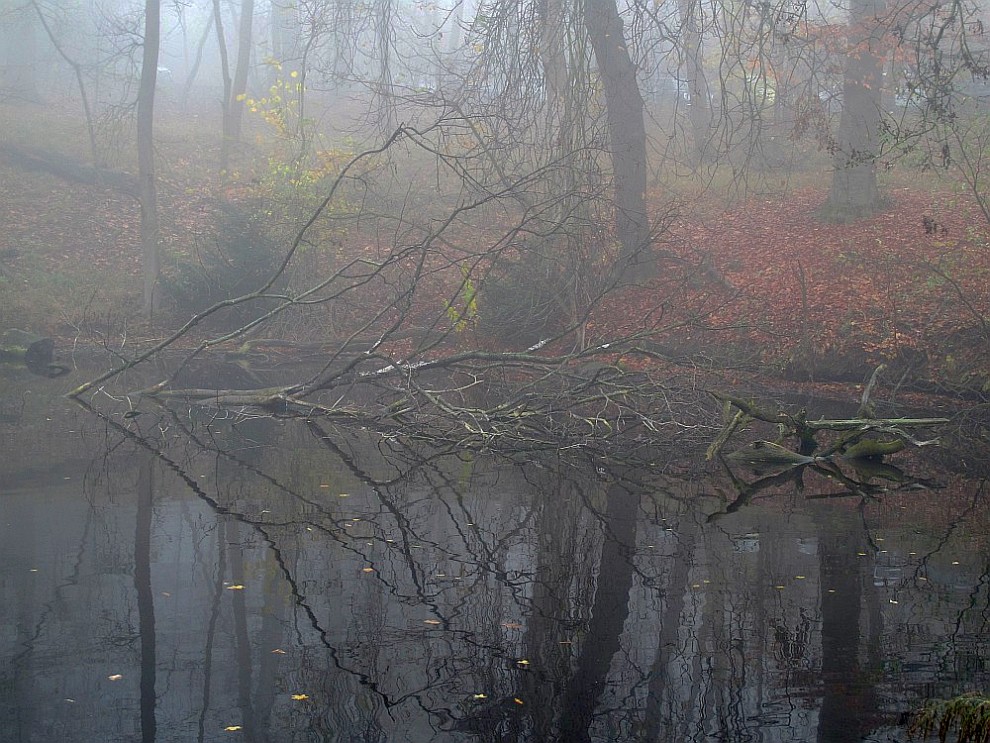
(177, 579)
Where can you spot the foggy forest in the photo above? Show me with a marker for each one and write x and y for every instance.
(496, 370)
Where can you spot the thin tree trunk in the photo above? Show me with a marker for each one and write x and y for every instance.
(235, 102)
(627, 130)
(225, 103)
(81, 82)
(199, 59)
(146, 155)
(146, 597)
(699, 110)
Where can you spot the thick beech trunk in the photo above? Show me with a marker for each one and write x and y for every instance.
(626, 128)
(854, 191)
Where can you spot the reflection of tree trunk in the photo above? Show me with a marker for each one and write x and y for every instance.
(212, 626)
(243, 644)
(854, 179)
(269, 638)
(626, 128)
(608, 615)
(145, 597)
(668, 641)
(146, 154)
(848, 700)
(560, 563)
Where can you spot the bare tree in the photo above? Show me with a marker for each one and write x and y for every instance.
(77, 69)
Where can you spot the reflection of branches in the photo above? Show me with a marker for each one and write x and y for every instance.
(262, 529)
(853, 486)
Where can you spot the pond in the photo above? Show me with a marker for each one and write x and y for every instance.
(177, 576)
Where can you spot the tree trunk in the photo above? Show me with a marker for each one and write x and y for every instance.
(235, 104)
(627, 131)
(147, 190)
(194, 70)
(700, 110)
(227, 86)
(18, 54)
(854, 191)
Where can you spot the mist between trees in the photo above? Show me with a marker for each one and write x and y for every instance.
(468, 207)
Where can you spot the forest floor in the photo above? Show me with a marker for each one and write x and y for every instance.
(777, 290)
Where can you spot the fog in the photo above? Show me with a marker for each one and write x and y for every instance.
(741, 245)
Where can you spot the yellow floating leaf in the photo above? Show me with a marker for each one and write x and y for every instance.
(522, 662)
(235, 587)
(278, 651)
(294, 73)
(240, 97)
(479, 696)
(432, 621)
(517, 700)
(300, 697)
(233, 728)
(115, 677)
(367, 570)
(798, 577)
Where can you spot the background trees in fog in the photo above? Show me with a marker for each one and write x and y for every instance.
(572, 107)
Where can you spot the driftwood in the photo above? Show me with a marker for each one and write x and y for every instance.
(863, 436)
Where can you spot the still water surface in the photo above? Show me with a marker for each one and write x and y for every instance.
(168, 577)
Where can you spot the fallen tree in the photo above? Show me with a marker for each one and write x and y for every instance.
(413, 349)
(864, 436)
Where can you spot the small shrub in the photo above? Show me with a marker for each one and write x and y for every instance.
(240, 259)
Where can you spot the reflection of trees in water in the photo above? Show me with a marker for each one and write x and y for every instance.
(636, 619)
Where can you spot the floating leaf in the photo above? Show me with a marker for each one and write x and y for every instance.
(479, 696)
(278, 651)
(367, 570)
(432, 621)
(235, 587)
(115, 677)
(300, 697)
(233, 728)
(517, 700)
